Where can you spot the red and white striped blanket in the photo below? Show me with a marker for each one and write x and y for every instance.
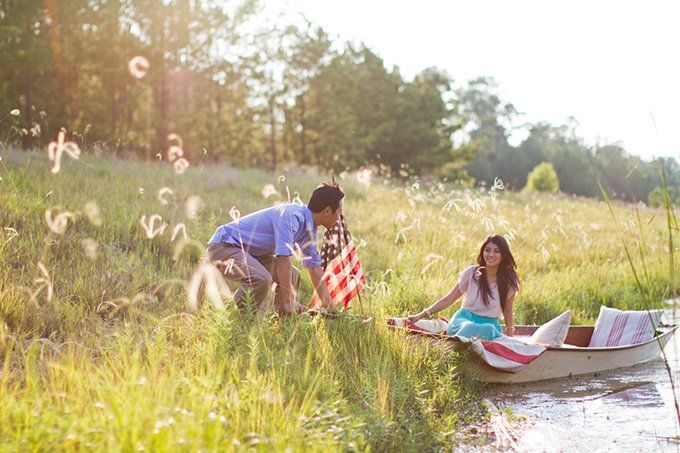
(507, 354)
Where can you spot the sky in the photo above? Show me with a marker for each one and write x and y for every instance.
(612, 65)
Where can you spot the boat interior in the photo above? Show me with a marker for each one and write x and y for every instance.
(577, 336)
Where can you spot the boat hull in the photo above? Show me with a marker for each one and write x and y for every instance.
(573, 361)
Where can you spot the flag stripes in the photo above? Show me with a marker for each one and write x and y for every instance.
(344, 277)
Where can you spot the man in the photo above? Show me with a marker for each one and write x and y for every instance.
(261, 245)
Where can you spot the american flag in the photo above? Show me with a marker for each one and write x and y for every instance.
(344, 276)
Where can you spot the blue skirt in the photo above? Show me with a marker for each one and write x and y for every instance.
(467, 324)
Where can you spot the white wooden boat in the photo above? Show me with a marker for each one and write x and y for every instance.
(572, 359)
(575, 358)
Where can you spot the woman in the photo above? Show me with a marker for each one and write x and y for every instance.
(489, 287)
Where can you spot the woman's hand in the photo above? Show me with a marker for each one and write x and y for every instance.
(415, 318)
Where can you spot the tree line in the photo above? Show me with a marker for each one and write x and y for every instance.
(260, 95)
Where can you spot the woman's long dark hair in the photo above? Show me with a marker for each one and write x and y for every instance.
(506, 276)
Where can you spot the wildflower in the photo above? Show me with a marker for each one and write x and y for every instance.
(59, 223)
(149, 229)
(138, 66)
(56, 149)
(141, 190)
(162, 193)
(235, 214)
(15, 112)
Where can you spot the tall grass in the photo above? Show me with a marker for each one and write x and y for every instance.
(114, 359)
(642, 288)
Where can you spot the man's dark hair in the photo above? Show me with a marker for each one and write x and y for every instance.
(326, 195)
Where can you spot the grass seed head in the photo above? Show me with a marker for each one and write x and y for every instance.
(162, 193)
(192, 206)
(93, 213)
(55, 150)
(59, 222)
(91, 247)
(181, 165)
(138, 67)
(179, 227)
(149, 227)
(269, 190)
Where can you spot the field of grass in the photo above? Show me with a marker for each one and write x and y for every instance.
(100, 350)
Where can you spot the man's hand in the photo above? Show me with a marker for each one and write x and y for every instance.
(316, 274)
(292, 306)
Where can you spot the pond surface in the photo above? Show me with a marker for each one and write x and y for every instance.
(630, 409)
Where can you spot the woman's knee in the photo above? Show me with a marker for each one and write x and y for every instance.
(484, 331)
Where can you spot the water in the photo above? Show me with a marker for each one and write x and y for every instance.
(630, 409)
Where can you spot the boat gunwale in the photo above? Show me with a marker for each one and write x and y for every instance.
(661, 332)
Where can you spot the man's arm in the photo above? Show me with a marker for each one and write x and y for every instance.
(284, 272)
(316, 274)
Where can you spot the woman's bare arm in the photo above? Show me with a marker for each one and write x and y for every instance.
(438, 306)
(508, 316)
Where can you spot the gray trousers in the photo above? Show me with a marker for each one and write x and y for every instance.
(254, 274)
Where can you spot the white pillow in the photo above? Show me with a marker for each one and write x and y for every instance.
(621, 328)
(554, 331)
(424, 325)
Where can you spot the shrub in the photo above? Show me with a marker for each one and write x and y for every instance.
(543, 178)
